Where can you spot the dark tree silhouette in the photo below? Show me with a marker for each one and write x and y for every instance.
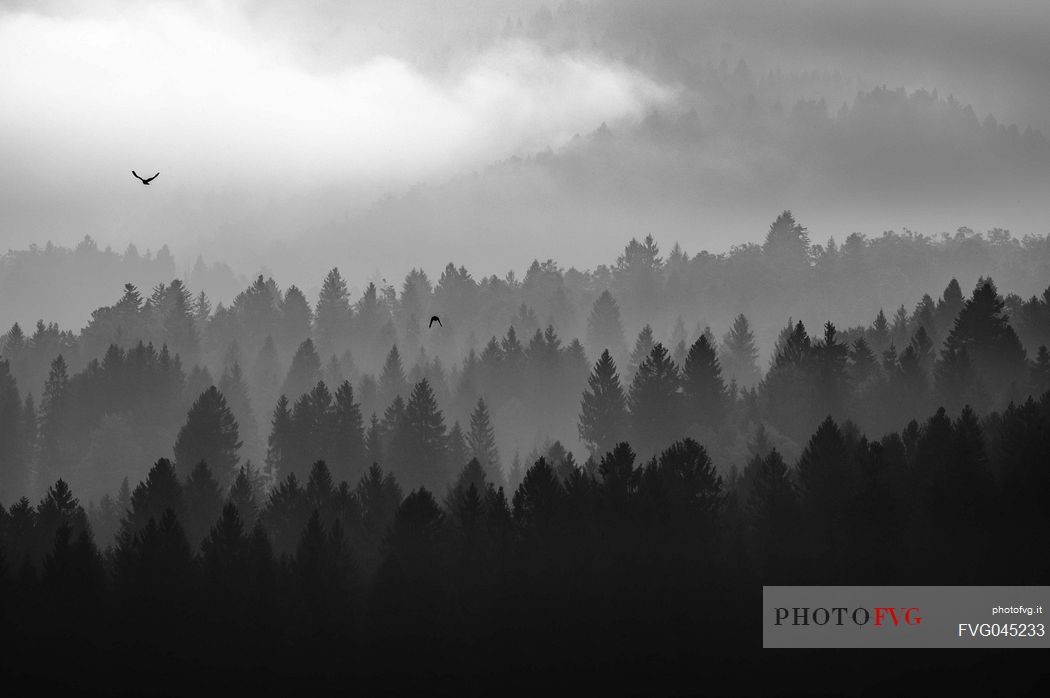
(210, 435)
(304, 372)
(654, 402)
(705, 397)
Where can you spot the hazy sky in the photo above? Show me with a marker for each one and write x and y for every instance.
(270, 120)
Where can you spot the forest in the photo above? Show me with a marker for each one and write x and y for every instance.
(332, 487)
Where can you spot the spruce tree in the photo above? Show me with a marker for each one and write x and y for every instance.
(333, 313)
(374, 441)
(879, 334)
(347, 456)
(14, 466)
(210, 434)
(604, 327)
(304, 372)
(293, 324)
(234, 388)
(279, 445)
(642, 346)
(203, 498)
(994, 351)
(395, 443)
(739, 355)
(481, 442)
(55, 419)
(425, 437)
(457, 449)
(705, 396)
(654, 402)
(603, 409)
(160, 491)
(392, 382)
(242, 496)
(823, 474)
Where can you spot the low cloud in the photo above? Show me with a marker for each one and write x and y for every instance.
(232, 116)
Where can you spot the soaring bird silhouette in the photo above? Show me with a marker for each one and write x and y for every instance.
(434, 319)
(144, 181)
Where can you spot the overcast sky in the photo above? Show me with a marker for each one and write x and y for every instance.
(270, 120)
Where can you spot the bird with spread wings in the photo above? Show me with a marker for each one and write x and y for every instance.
(145, 181)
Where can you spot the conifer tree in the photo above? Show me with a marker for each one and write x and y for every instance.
(1041, 371)
(234, 388)
(704, 392)
(457, 448)
(160, 491)
(304, 372)
(604, 327)
(983, 330)
(55, 417)
(210, 434)
(279, 446)
(374, 441)
(392, 381)
(603, 410)
(863, 364)
(395, 437)
(949, 305)
(380, 497)
(203, 498)
(642, 346)
(831, 359)
(654, 402)
(293, 324)
(242, 496)
(265, 378)
(772, 507)
(823, 474)
(347, 453)
(739, 355)
(481, 442)
(787, 240)
(425, 437)
(14, 466)
(333, 313)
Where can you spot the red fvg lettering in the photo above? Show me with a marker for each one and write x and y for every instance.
(908, 616)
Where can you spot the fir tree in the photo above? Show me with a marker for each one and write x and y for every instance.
(203, 498)
(604, 328)
(374, 441)
(739, 355)
(456, 447)
(293, 325)
(603, 410)
(654, 401)
(425, 436)
(242, 496)
(234, 388)
(279, 446)
(642, 346)
(392, 382)
(304, 372)
(55, 417)
(333, 313)
(705, 396)
(481, 442)
(210, 434)
(14, 466)
(348, 458)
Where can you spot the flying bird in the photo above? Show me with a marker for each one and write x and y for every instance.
(144, 181)
(434, 319)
